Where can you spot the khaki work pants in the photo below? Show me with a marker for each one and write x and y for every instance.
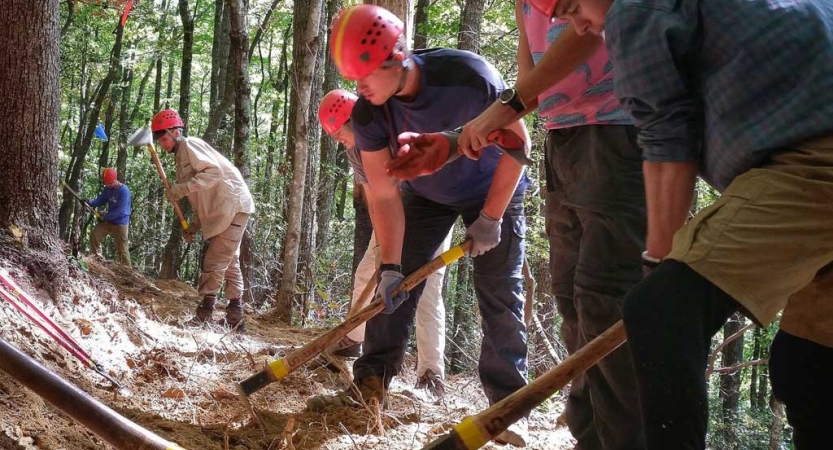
(222, 261)
(119, 233)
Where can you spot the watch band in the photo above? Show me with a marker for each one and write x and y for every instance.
(394, 267)
(515, 101)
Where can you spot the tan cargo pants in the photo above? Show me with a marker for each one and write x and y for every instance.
(119, 233)
(222, 261)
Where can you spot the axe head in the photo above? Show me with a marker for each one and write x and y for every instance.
(140, 137)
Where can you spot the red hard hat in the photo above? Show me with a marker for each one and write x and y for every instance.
(546, 7)
(166, 119)
(335, 108)
(109, 175)
(362, 38)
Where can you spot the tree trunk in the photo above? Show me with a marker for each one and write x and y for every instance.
(420, 21)
(753, 377)
(777, 427)
(242, 119)
(306, 42)
(468, 36)
(730, 382)
(327, 171)
(30, 95)
(172, 254)
(463, 316)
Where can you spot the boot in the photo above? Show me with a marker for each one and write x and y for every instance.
(516, 435)
(205, 309)
(234, 315)
(372, 387)
(432, 383)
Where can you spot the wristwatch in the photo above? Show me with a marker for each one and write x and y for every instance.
(394, 267)
(511, 98)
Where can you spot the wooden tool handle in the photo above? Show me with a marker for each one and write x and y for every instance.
(167, 185)
(280, 368)
(474, 432)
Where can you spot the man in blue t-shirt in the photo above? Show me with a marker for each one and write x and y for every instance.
(116, 197)
(430, 91)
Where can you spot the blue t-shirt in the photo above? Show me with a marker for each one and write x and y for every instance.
(118, 204)
(456, 86)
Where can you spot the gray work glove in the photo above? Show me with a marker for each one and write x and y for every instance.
(389, 280)
(484, 233)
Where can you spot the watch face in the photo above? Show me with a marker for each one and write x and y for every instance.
(507, 95)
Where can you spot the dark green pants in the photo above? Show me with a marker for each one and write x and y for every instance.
(596, 224)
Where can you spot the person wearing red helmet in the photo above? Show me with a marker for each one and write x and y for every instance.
(431, 91)
(222, 205)
(334, 116)
(116, 197)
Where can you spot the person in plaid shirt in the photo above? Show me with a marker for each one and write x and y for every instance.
(740, 93)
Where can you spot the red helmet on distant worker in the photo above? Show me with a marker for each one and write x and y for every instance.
(166, 119)
(362, 38)
(335, 108)
(109, 175)
(547, 7)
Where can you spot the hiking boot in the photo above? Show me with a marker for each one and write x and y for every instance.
(431, 382)
(205, 309)
(516, 435)
(368, 388)
(234, 315)
(346, 348)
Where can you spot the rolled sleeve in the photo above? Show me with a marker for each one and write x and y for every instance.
(652, 45)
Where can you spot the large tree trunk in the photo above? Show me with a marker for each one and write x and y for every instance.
(468, 36)
(29, 65)
(730, 382)
(306, 42)
(242, 118)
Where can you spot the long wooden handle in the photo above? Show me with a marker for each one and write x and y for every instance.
(75, 194)
(167, 185)
(280, 368)
(474, 432)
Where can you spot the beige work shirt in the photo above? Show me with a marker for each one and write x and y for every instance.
(215, 187)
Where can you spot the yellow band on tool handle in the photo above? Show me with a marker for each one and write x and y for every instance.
(173, 446)
(184, 225)
(470, 434)
(278, 369)
(453, 254)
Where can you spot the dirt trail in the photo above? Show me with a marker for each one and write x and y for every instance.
(182, 376)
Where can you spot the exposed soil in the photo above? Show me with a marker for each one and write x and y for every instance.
(182, 377)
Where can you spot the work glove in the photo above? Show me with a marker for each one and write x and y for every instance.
(422, 154)
(484, 233)
(179, 190)
(188, 235)
(389, 280)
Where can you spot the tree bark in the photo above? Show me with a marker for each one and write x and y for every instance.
(468, 36)
(242, 119)
(306, 42)
(29, 69)
(420, 19)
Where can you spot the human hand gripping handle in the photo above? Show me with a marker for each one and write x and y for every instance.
(422, 154)
(389, 280)
(484, 233)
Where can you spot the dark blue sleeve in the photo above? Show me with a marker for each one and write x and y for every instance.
(369, 127)
(100, 200)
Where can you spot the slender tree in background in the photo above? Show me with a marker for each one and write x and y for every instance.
(420, 21)
(29, 92)
(468, 36)
(306, 45)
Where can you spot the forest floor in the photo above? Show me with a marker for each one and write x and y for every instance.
(181, 376)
